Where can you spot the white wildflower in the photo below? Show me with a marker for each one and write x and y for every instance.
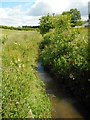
(19, 65)
(17, 103)
(71, 76)
(23, 65)
(15, 43)
(18, 59)
(30, 114)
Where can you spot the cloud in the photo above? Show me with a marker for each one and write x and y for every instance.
(40, 8)
(17, 17)
(25, 15)
(82, 6)
(43, 7)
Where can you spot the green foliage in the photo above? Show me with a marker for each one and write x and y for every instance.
(62, 22)
(59, 22)
(47, 40)
(23, 94)
(20, 28)
(75, 17)
(45, 24)
(65, 53)
(79, 23)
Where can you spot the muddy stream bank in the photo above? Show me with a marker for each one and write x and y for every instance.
(63, 106)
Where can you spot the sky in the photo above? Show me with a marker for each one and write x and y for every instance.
(28, 12)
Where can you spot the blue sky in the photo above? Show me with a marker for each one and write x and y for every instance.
(28, 12)
(11, 4)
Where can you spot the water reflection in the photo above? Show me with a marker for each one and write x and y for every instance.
(62, 104)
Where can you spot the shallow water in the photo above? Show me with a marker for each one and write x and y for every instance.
(62, 105)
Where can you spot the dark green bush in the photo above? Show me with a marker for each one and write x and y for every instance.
(65, 54)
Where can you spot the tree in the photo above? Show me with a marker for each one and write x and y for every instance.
(45, 24)
(75, 17)
(62, 22)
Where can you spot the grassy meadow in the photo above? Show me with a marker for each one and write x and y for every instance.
(23, 93)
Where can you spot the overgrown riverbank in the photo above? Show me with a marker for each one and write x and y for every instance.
(65, 54)
(23, 94)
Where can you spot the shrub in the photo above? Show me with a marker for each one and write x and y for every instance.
(66, 57)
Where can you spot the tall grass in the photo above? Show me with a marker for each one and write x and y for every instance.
(23, 94)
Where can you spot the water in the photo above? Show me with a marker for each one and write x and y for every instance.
(63, 106)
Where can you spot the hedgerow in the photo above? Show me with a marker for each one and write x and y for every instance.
(65, 54)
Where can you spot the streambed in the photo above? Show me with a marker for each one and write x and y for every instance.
(63, 106)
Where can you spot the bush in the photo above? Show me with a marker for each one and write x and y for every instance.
(66, 57)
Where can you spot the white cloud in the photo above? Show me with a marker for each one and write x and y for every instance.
(82, 6)
(42, 7)
(3, 14)
(20, 15)
(16, 17)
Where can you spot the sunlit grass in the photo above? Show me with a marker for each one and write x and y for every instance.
(23, 92)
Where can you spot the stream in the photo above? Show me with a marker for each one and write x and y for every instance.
(63, 106)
